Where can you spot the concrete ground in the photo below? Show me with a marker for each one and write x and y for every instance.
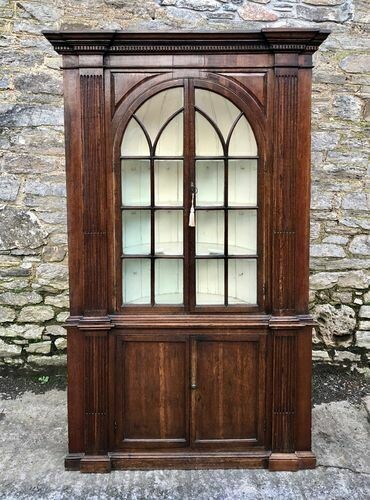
(33, 444)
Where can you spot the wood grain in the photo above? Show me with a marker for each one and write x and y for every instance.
(187, 386)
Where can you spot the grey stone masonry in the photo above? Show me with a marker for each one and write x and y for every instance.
(33, 232)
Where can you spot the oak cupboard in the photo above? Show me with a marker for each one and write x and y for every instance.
(188, 182)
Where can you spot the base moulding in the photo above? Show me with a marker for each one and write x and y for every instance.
(151, 461)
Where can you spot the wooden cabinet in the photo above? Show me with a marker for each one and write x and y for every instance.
(188, 162)
(228, 391)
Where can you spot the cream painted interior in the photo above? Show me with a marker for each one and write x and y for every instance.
(168, 192)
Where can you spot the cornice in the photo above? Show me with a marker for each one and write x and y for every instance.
(122, 42)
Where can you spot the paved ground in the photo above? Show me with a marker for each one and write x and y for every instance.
(33, 443)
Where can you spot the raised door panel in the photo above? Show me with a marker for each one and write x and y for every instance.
(228, 378)
(152, 385)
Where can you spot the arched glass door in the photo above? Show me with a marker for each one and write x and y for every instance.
(189, 202)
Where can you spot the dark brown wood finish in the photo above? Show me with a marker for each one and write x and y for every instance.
(188, 386)
(152, 399)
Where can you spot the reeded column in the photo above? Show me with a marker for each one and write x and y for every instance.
(289, 323)
(88, 326)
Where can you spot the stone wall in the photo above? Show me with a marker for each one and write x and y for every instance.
(33, 243)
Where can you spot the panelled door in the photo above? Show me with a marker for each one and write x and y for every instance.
(152, 374)
(203, 391)
(228, 390)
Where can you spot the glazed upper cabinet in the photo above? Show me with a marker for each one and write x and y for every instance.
(188, 161)
(189, 201)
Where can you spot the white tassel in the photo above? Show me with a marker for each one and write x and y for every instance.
(191, 213)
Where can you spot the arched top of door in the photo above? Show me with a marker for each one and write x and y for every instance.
(240, 99)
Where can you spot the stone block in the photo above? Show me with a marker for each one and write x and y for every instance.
(37, 314)
(56, 330)
(52, 276)
(19, 229)
(39, 11)
(363, 338)
(52, 187)
(9, 187)
(348, 107)
(53, 253)
(335, 323)
(39, 83)
(354, 279)
(320, 281)
(315, 228)
(45, 361)
(337, 239)
(11, 331)
(250, 12)
(339, 264)
(323, 141)
(326, 250)
(321, 200)
(343, 356)
(61, 301)
(39, 348)
(356, 201)
(364, 312)
(337, 13)
(33, 162)
(32, 332)
(17, 115)
(6, 314)
(320, 356)
(342, 297)
(323, 2)
(20, 299)
(356, 63)
(9, 350)
(360, 245)
(201, 5)
(364, 325)
(61, 344)
(62, 317)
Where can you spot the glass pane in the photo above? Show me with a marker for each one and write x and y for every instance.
(242, 281)
(222, 112)
(242, 183)
(242, 232)
(157, 110)
(136, 281)
(209, 182)
(134, 142)
(209, 281)
(207, 142)
(243, 142)
(209, 232)
(168, 182)
(168, 281)
(168, 232)
(136, 232)
(135, 182)
(171, 140)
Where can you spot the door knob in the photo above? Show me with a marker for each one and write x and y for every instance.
(193, 386)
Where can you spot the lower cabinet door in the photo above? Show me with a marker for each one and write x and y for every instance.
(228, 391)
(152, 378)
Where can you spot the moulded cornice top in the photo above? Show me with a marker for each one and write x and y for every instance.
(174, 42)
